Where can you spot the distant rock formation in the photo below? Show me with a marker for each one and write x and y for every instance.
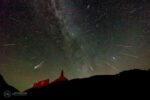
(128, 83)
(41, 83)
(47, 81)
(61, 78)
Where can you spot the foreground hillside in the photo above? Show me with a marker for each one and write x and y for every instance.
(126, 83)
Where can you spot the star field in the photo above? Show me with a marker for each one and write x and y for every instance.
(38, 38)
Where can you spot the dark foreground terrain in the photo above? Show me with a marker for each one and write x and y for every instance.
(128, 83)
(6, 89)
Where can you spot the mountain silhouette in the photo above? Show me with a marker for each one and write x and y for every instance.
(131, 81)
(127, 83)
(5, 89)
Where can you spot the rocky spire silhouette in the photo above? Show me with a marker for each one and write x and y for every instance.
(61, 77)
(62, 73)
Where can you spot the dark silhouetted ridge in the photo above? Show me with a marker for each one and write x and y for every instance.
(127, 83)
(5, 88)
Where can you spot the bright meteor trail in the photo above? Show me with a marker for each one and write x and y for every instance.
(83, 37)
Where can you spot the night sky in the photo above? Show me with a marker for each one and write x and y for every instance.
(38, 38)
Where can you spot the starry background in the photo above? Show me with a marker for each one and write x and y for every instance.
(38, 38)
